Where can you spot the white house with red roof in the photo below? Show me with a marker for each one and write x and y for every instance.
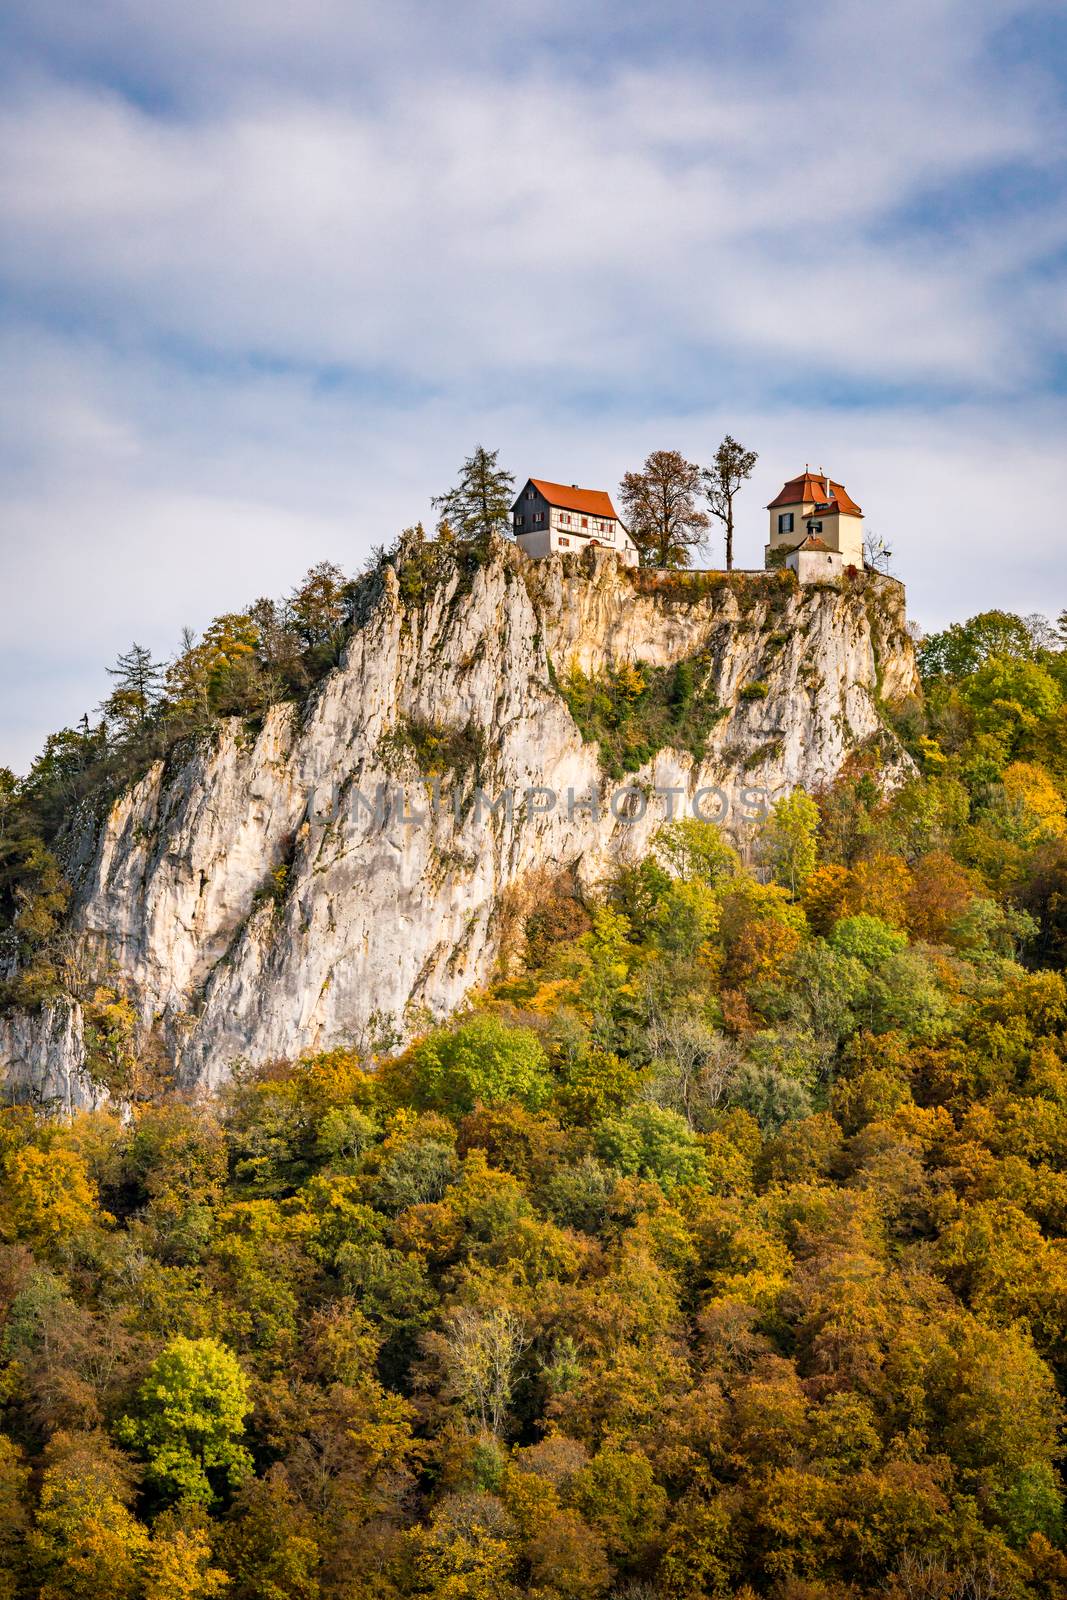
(817, 525)
(548, 517)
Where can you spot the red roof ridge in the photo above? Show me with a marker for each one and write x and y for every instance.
(568, 497)
(811, 486)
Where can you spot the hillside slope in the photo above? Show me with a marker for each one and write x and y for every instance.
(251, 905)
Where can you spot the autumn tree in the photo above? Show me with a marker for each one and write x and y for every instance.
(660, 509)
(732, 465)
(86, 1541)
(189, 1420)
(787, 840)
(482, 1349)
(480, 504)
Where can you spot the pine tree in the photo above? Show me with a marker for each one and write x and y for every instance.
(480, 503)
(732, 465)
(137, 689)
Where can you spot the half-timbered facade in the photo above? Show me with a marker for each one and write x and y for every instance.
(549, 517)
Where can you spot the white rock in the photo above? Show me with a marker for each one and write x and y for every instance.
(380, 917)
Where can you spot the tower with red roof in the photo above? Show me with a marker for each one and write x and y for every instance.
(815, 518)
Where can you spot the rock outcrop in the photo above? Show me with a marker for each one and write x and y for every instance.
(259, 899)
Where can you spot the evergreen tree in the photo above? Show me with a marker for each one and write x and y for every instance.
(137, 688)
(481, 502)
(732, 465)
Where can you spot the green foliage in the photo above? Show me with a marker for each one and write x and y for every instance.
(963, 647)
(633, 711)
(691, 848)
(722, 1250)
(190, 1419)
(867, 939)
(787, 840)
(648, 1141)
(481, 502)
(481, 1062)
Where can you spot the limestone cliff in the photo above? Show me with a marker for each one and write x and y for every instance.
(376, 913)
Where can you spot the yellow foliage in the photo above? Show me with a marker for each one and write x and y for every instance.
(1035, 799)
(50, 1195)
(879, 886)
(824, 897)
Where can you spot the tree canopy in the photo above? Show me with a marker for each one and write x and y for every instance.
(731, 467)
(660, 508)
(718, 1248)
(480, 503)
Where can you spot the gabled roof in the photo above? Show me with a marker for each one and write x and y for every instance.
(810, 488)
(566, 497)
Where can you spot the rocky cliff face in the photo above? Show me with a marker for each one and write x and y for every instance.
(382, 909)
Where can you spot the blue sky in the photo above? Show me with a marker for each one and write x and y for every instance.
(267, 272)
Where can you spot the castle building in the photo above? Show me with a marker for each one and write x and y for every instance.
(817, 525)
(548, 517)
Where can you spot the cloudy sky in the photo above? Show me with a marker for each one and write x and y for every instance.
(269, 270)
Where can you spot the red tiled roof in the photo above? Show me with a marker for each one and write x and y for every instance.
(594, 502)
(813, 542)
(811, 486)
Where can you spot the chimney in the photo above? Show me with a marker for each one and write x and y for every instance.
(826, 483)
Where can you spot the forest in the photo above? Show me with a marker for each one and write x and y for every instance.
(716, 1249)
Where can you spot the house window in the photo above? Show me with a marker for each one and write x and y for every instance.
(814, 527)
(530, 494)
(585, 522)
(519, 520)
(539, 516)
(564, 541)
(785, 522)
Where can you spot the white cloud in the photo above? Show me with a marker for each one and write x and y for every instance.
(264, 304)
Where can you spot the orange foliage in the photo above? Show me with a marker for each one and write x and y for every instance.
(880, 887)
(940, 892)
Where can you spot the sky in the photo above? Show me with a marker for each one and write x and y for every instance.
(269, 271)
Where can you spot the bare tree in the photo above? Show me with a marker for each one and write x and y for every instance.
(660, 509)
(694, 1064)
(919, 1576)
(876, 553)
(481, 1351)
(732, 465)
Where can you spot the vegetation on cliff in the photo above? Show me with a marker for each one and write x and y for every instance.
(718, 1250)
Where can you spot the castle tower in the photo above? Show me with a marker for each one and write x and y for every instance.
(814, 512)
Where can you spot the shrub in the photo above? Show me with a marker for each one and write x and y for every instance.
(483, 1061)
(648, 1141)
(867, 939)
(634, 710)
